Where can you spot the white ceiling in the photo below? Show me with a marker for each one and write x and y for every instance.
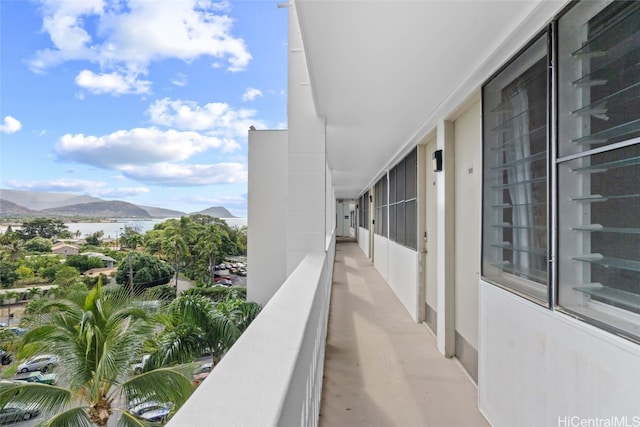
(380, 71)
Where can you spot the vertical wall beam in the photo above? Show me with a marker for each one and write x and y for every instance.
(421, 278)
(306, 163)
(446, 237)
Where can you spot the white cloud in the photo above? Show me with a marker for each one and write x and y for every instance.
(154, 156)
(130, 34)
(10, 125)
(251, 93)
(187, 174)
(86, 187)
(217, 118)
(180, 80)
(140, 146)
(112, 83)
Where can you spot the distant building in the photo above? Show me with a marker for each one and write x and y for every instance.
(107, 260)
(64, 249)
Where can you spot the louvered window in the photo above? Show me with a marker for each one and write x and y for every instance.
(364, 210)
(599, 163)
(515, 217)
(402, 201)
(381, 207)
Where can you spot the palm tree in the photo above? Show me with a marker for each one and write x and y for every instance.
(177, 235)
(208, 243)
(195, 325)
(97, 337)
(14, 249)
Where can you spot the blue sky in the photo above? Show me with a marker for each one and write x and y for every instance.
(145, 101)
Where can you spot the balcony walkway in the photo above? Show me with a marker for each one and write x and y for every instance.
(381, 368)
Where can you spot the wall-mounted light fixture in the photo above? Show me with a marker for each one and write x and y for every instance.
(437, 161)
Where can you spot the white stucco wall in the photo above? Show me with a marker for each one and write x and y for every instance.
(402, 276)
(380, 254)
(468, 203)
(537, 367)
(363, 240)
(266, 249)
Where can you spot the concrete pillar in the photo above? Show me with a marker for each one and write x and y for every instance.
(305, 222)
(445, 181)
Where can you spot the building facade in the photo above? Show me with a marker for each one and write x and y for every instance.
(491, 154)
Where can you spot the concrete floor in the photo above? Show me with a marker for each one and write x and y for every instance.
(381, 368)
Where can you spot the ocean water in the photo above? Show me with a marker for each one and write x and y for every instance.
(113, 229)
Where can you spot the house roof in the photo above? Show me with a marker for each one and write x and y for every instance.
(103, 257)
(63, 245)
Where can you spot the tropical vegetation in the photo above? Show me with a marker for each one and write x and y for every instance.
(99, 330)
(99, 333)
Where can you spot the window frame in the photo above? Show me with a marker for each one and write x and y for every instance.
(619, 318)
(398, 218)
(525, 287)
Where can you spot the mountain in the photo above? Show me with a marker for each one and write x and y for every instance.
(162, 213)
(217, 211)
(10, 209)
(104, 209)
(37, 200)
(19, 203)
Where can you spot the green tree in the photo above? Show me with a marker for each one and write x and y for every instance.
(208, 243)
(94, 239)
(42, 227)
(14, 250)
(83, 263)
(143, 271)
(175, 244)
(196, 325)
(66, 276)
(38, 244)
(8, 275)
(25, 272)
(10, 297)
(33, 293)
(98, 337)
(131, 237)
(218, 293)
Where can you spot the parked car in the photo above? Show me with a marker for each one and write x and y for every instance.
(138, 365)
(5, 357)
(16, 330)
(37, 377)
(38, 363)
(202, 372)
(224, 282)
(15, 412)
(151, 411)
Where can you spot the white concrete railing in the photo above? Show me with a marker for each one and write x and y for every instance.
(272, 376)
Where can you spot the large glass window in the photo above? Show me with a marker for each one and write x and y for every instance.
(381, 207)
(402, 201)
(515, 217)
(599, 163)
(364, 210)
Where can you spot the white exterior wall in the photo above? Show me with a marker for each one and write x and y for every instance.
(538, 366)
(381, 255)
(468, 217)
(266, 250)
(363, 240)
(306, 163)
(402, 276)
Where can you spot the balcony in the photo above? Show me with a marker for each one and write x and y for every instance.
(379, 367)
